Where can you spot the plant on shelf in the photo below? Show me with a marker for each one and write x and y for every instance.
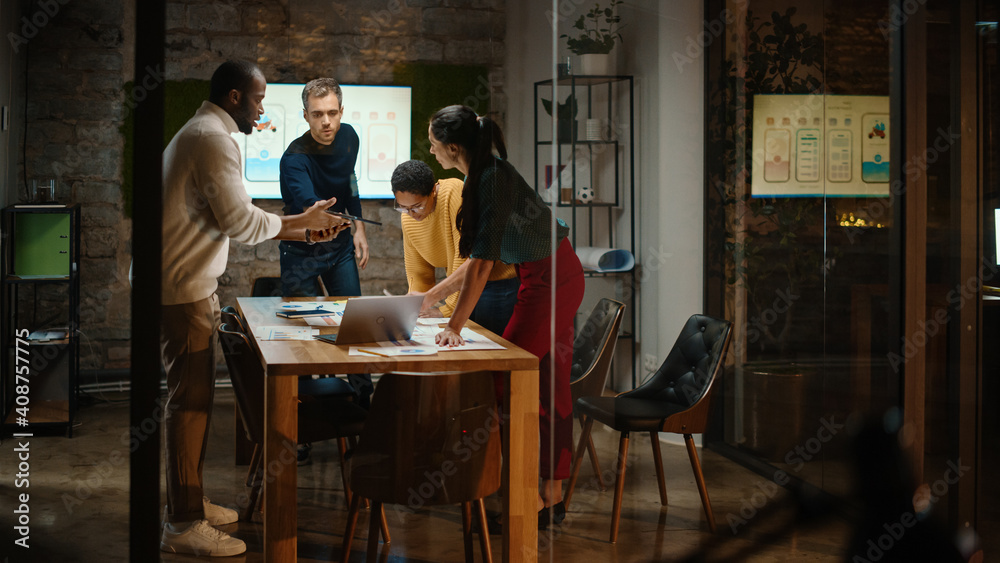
(565, 117)
(595, 39)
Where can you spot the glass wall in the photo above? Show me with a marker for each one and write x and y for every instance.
(800, 219)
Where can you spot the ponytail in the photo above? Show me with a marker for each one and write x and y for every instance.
(477, 136)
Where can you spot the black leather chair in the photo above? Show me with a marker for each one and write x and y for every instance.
(320, 418)
(321, 387)
(675, 399)
(266, 287)
(593, 350)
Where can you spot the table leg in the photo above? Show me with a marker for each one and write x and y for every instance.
(519, 479)
(280, 468)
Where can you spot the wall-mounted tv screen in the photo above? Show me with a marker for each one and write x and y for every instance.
(380, 115)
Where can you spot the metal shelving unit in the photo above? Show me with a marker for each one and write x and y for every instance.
(605, 164)
(40, 252)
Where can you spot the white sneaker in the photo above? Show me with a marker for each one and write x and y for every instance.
(200, 539)
(218, 515)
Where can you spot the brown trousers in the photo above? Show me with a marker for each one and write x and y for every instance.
(189, 350)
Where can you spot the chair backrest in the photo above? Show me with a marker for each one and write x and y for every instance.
(231, 317)
(266, 287)
(247, 376)
(429, 440)
(690, 368)
(594, 348)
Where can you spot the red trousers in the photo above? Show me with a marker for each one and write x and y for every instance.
(529, 328)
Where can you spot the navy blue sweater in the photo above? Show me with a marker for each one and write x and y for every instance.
(310, 171)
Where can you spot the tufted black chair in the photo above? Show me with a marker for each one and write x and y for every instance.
(593, 350)
(675, 399)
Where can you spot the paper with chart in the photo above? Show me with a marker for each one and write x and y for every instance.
(422, 344)
(333, 319)
(286, 333)
(473, 341)
(332, 306)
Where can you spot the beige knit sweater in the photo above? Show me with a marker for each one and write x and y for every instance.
(204, 205)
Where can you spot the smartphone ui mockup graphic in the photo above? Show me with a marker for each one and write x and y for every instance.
(265, 145)
(381, 151)
(838, 165)
(875, 148)
(777, 146)
(807, 155)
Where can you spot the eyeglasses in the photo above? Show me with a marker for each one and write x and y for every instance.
(410, 209)
(414, 208)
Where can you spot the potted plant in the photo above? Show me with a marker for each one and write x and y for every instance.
(599, 28)
(565, 118)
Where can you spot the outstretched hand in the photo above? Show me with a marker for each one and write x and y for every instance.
(317, 219)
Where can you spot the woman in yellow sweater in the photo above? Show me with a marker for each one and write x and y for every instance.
(430, 240)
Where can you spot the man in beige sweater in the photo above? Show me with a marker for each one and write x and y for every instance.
(205, 205)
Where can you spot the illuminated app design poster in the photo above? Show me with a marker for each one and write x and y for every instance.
(814, 145)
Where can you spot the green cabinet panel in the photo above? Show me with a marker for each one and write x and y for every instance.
(41, 244)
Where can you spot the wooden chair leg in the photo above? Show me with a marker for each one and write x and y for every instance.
(373, 532)
(467, 531)
(344, 477)
(596, 465)
(484, 533)
(254, 463)
(616, 510)
(654, 438)
(255, 481)
(584, 438)
(247, 515)
(352, 521)
(700, 479)
(383, 524)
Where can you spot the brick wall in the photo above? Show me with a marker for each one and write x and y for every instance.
(80, 60)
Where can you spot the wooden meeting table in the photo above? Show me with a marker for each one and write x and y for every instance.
(284, 360)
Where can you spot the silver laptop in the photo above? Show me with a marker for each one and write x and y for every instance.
(377, 319)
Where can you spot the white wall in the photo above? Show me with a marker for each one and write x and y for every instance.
(669, 128)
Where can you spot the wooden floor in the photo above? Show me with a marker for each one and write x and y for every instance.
(79, 505)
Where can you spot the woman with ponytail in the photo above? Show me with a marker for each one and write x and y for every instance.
(503, 218)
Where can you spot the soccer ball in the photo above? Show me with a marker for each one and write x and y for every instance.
(585, 194)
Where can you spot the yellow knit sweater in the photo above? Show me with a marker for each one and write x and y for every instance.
(433, 243)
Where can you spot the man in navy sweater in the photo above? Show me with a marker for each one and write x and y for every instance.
(321, 162)
(317, 166)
